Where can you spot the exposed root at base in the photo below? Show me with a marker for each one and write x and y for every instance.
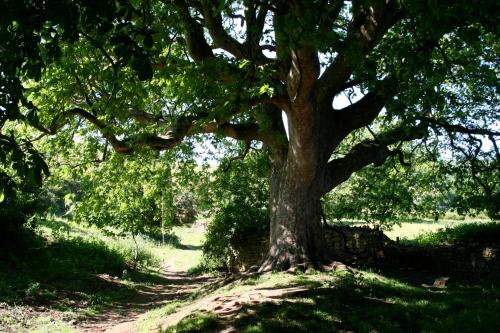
(293, 264)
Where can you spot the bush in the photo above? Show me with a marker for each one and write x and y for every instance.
(21, 172)
(238, 200)
(228, 230)
(185, 208)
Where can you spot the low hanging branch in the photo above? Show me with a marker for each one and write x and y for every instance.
(182, 127)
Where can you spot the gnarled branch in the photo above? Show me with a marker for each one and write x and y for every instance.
(197, 45)
(438, 123)
(368, 152)
(222, 39)
(366, 30)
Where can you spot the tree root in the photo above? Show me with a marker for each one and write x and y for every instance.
(294, 263)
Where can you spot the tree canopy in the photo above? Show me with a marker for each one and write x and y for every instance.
(417, 74)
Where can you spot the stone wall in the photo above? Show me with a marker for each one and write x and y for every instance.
(470, 261)
(351, 245)
(248, 252)
(367, 246)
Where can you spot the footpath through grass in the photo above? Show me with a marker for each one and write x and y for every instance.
(65, 274)
(346, 300)
(69, 274)
(351, 301)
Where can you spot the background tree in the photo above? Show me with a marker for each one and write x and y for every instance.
(232, 68)
(387, 195)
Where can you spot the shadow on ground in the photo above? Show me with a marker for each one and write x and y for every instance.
(72, 273)
(83, 278)
(355, 303)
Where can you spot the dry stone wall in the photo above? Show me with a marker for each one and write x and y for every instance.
(470, 261)
(349, 244)
(369, 246)
(249, 252)
(356, 244)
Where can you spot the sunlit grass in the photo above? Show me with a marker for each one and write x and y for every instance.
(479, 232)
(356, 301)
(153, 319)
(81, 270)
(412, 229)
(152, 253)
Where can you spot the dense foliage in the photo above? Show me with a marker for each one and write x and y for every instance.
(124, 192)
(421, 186)
(388, 194)
(138, 194)
(21, 171)
(135, 75)
(238, 205)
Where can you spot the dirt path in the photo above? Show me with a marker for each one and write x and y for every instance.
(227, 307)
(121, 318)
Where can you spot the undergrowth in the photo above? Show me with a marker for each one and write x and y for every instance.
(81, 271)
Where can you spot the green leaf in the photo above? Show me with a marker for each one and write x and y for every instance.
(266, 89)
(244, 63)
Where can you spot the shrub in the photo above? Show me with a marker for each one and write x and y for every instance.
(238, 201)
(229, 228)
(185, 208)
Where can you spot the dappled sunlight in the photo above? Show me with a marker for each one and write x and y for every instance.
(354, 302)
(88, 273)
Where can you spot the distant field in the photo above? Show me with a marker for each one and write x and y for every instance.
(411, 230)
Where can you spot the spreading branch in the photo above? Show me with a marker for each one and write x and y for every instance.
(240, 156)
(368, 152)
(196, 44)
(366, 30)
(213, 22)
(362, 113)
(183, 126)
(437, 123)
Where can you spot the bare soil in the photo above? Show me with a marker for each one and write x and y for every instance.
(121, 318)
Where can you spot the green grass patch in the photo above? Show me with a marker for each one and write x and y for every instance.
(68, 267)
(197, 322)
(153, 318)
(462, 233)
(359, 302)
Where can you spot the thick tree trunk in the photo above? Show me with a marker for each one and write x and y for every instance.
(296, 235)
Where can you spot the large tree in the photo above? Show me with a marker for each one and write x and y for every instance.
(422, 71)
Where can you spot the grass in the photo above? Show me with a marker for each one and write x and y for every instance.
(153, 318)
(189, 253)
(196, 323)
(359, 302)
(467, 232)
(73, 271)
(412, 228)
(364, 301)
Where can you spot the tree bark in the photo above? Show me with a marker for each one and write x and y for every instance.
(296, 234)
